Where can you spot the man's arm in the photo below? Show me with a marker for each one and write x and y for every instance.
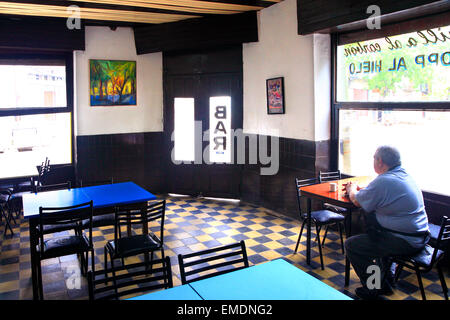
(352, 191)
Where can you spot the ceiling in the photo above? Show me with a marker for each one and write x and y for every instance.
(130, 11)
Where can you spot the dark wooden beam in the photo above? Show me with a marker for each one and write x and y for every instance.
(205, 32)
(347, 15)
(39, 33)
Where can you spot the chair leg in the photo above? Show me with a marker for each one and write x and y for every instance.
(82, 263)
(39, 273)
(398, 270)
(7, 225)
(419, 279)
(300, 235)
(92, 261)
(106, 264)
(443, 284)
(10, 213)
(320, 247)
(318, 229)
(340, 227)
(114, 276)
(325, 235)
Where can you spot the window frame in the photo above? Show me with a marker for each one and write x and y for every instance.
(66, 56)
(336, 106)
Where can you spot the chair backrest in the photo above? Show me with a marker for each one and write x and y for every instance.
(302, 183)
(153, 211)
(200, 265)
(89, 183)
(329, 176)
(138, 278)
(5, 195)
(52, 187)
(443, 237)
(65, 216)
(43, 170)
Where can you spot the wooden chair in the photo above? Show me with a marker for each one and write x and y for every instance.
(137, 278)
(319, 218)
(429, 257)
(201, 265)
(53, 187)
(145, 243)
(5, 210)
(330, 176)
(65, 245)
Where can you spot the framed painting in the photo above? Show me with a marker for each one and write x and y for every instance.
(112, 83)
(275, 95)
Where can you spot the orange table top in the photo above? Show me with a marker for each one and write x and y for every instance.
(322, 191)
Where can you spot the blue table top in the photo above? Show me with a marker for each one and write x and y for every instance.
(103, 196)
(184, 292)
(273, 280)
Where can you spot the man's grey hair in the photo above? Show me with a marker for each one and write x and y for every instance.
(389, 155)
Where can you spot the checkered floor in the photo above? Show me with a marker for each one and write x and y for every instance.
(194, 224)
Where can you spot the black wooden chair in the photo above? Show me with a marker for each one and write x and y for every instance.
(68, 244)
(434, 233)
(319, 218)
(5, 210)
(330, 176)
(106, 219)
(429, 257)
(53, 187)
(57, 227)
(19, 189)
(136, 279)
(212, 262)
(132, 245)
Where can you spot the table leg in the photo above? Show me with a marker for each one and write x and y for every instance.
(348, 233)
(308, 232)
(33, 243)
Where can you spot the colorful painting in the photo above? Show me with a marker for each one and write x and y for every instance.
(275, 95)
(112, 82)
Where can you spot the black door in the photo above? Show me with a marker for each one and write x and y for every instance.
(199, 177)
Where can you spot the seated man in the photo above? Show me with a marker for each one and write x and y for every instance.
(397, 223)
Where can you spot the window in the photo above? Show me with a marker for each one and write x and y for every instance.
(35, 112)
(408, 67)
(184, 129)
(418, 135)
(32, 86)
(395, 90)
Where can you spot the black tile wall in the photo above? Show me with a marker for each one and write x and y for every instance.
(136, 157)
(298, 158)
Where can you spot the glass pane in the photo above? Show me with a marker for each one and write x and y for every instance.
(32, 86)
(402, 68)
(220, 129)
(420, 137)
(184, 130)
(27, 140)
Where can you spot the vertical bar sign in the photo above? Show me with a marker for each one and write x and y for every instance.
(220, 129)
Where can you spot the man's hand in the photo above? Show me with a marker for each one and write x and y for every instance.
(352, 190)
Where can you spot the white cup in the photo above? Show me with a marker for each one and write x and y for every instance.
(333, 187)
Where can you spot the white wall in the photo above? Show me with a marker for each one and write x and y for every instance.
(282, 52)
(147, 115)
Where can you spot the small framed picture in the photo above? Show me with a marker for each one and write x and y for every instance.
(275, 95)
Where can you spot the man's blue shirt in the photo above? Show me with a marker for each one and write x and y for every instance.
(397, 203)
